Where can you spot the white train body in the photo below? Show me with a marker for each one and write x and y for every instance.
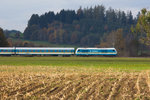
(57, 51)
(44, 51)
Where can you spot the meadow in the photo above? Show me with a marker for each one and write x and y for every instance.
(74, 78)
(87, 62)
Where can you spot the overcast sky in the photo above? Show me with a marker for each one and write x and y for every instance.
(14, 14)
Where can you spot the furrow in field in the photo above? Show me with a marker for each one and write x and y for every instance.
(84, 87)
(90, 89)
(49, 86)
(144, 88)
(21, 89)
(59, 95)
(82, 78)
(113, 88)
(148, 79)
(128, 89)
(138, 93)
(117, 92)
(102, 88)
(96, 94)
(77, 87)
(106, 86)
(68, 88)
(57, 88)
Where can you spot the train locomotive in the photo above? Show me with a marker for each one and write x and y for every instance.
(57, 51)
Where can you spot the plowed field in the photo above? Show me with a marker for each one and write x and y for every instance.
(106, 85)
(74, 78)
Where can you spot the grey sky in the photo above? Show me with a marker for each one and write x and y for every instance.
(14, 14)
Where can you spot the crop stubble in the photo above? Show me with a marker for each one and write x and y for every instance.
(76, 86)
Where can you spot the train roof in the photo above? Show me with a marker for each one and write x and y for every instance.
(97, 48)
(7, 47)
(45, 48)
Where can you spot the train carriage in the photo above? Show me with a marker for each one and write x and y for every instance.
(57, 51)
(7, 51)
(44, 51)
(96, 51)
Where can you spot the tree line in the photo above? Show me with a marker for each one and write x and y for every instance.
(84, 27)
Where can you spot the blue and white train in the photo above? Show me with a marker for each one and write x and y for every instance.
(96, 51)
(57, 51)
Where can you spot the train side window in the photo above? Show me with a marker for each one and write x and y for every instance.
(104, 50)
(84, 50)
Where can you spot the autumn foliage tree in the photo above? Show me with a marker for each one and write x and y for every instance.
(114, 39)
(142, 28)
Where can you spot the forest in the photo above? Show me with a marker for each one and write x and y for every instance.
(84, 27)
(91, 27)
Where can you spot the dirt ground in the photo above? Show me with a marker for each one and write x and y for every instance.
(76, 86)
